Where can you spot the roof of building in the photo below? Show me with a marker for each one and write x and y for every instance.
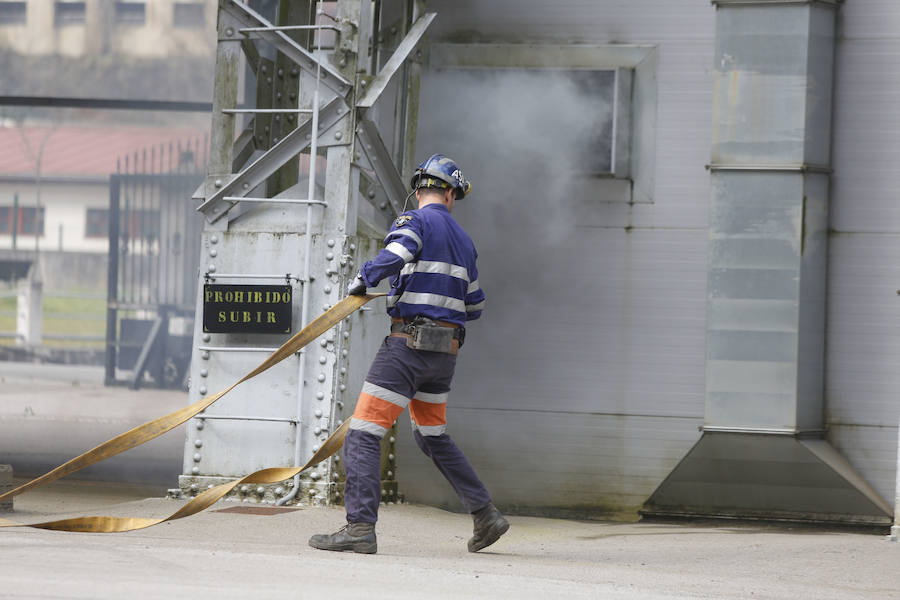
(92, 152)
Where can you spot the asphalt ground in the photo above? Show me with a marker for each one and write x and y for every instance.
(242, 550)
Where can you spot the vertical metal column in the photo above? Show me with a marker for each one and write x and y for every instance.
(255, 210)
(763, 452)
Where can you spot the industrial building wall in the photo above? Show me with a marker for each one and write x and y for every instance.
(863, 343)
(583, 384)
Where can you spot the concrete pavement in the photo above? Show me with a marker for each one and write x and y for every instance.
(236, 553)
(48, 415)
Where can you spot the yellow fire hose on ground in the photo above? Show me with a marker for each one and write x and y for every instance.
(152, 429)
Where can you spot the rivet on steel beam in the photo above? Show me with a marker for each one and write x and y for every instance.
(205, 355)
(330, 243)
(279, 491)
(343, 370)
(326, 307)
(323, 359)
(346, 335)
(204, 372)
(295, 71)
(392, 439)
(211, 268)
(200, 425)
(390, 473)
(213, 252)
(383, 205)
(244, 489)
(245, 185)
(352, 247)
(195, 470)
(198, 443)
(312, 492)
(260, 490)
(326, 289)
(317, 430)
(194, 487)
(323, 342)
(344, 353)
(318, 412)
(390, 457)
(338, 135)
(209, 486)
(197, 457)
(218, 183)
(329, 256)
(264, 69)
(320, 395)
(321, 377)
(281, 72)
(202, 389)
(206, 337)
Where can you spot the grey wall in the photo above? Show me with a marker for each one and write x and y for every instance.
(583, 384)
(863, 342)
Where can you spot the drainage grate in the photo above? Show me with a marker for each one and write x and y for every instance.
(257, 510)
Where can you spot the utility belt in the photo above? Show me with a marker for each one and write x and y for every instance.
(422, 333)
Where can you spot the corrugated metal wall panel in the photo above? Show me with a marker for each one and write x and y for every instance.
(583, 385)
(863, 345)
(552, 462)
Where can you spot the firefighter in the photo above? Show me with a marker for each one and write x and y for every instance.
(434, 293)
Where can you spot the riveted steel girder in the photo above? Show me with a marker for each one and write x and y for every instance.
(380, 82)
(247, 17)
(380, 159)
(292, 144)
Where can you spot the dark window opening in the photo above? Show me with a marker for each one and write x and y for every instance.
(69, 13)
(12, 13)
(187, 15)
(133, 224)
(22, 220)
(131, 13)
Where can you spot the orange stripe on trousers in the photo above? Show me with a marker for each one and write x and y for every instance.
(427, 413)
(375, 410)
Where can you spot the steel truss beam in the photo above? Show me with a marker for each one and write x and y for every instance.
(380, 158)
(255, 174)
(247, 17)
(390, 68)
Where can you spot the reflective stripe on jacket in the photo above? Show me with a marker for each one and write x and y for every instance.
(433, 260)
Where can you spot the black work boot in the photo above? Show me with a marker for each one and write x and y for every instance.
(489, 526)
(356, 537)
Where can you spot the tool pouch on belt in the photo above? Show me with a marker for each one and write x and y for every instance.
(425, 334)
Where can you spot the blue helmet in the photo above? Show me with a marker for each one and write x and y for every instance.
(439, 171)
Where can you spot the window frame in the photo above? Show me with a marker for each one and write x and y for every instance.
(176, 6)
(67, 19)
(123, 19)
(634, 119)
(16, 19)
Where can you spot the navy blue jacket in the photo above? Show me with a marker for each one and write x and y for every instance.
(435, 260)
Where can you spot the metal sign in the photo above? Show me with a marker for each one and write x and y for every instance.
(247, 308)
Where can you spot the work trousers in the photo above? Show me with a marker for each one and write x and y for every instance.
(400, 376)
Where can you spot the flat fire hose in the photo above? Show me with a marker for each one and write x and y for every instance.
(152, 429)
